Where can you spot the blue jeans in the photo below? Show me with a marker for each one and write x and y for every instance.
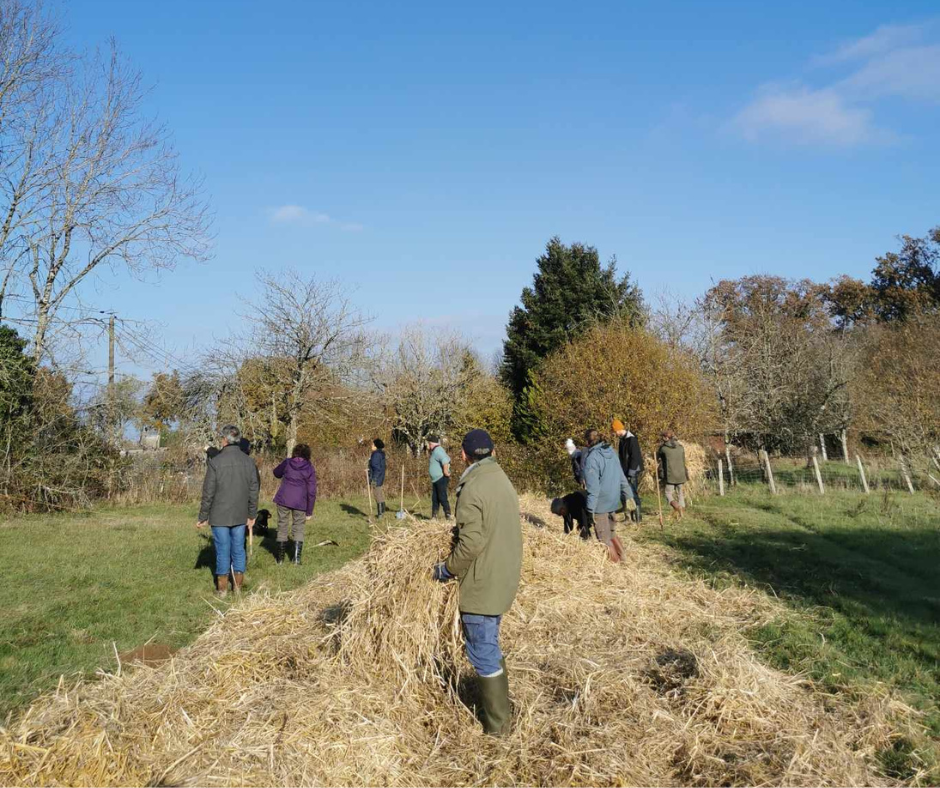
(481, 635)
(229, 544)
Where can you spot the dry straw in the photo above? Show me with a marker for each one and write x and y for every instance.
(620, 675)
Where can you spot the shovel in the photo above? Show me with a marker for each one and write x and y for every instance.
(400, 514)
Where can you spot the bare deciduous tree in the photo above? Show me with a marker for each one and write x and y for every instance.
(117, 197)
(423, 378)
(313, 341)
(780, 366)
(31, 70)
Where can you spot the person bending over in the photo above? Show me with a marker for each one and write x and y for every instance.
(573, 511)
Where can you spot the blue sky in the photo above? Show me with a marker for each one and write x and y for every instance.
(424, 153)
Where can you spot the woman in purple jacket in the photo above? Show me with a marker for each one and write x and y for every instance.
(295, 499)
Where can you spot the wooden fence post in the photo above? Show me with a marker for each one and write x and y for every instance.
(907, 476)
(822, 446)
(819, 480)
(861, 472)
(845, 447)
(721, 478)
(730, 466)
(770, 474)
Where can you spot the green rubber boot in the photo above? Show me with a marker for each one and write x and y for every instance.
(494, 698)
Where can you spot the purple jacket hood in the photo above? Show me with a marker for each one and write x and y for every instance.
(298, 488)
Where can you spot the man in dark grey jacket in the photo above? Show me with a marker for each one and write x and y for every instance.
(229, 505)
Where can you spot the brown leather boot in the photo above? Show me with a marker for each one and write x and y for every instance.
(221, 586)
(612, 553)
(618, 548)
(239, 578)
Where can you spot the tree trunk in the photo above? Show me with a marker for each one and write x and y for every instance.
(292, 433)
(39, 337)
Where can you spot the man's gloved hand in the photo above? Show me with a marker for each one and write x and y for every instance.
(569, 446)
(440, 573)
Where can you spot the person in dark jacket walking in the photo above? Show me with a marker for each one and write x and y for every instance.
(631, 461)
(486, 559)
(673, 471)
(606, 487)
(377, 474)
(229, 505)
(295, 500)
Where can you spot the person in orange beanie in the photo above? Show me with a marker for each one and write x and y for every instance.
(631, 460)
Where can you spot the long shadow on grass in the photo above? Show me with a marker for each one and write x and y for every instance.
(875, 594)
(206, 557)
(353, 510)
(839, 571)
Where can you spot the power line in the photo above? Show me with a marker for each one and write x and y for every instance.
(155, 352)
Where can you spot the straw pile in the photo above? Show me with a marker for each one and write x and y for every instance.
(620, 675)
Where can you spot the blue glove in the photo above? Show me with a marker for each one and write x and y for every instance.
(440, 573)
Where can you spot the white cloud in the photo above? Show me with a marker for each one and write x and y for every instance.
(807, 117)
(912, 73)
(299, 216)
(892, 62)
(884, 39)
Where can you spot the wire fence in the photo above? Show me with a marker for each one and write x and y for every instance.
(814, 475)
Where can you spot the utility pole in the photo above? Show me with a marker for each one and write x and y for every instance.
(111, 392)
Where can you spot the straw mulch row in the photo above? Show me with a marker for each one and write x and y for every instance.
(620, 675)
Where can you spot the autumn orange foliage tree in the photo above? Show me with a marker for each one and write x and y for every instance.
(616, 371)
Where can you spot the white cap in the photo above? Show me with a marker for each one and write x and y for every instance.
(569, 445)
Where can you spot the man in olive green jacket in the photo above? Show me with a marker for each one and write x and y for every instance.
(672, 470)
(486, 559)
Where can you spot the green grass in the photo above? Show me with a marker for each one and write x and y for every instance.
(862, 572)
(77, 586)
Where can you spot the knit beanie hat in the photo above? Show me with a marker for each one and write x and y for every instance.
(617, 425)
(477, 444)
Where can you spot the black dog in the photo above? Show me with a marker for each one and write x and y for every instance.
(261, 522)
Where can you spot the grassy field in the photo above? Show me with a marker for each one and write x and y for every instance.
(77, 587)
(861, 573)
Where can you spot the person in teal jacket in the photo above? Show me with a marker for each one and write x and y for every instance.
(606, 487)
(439, 471)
